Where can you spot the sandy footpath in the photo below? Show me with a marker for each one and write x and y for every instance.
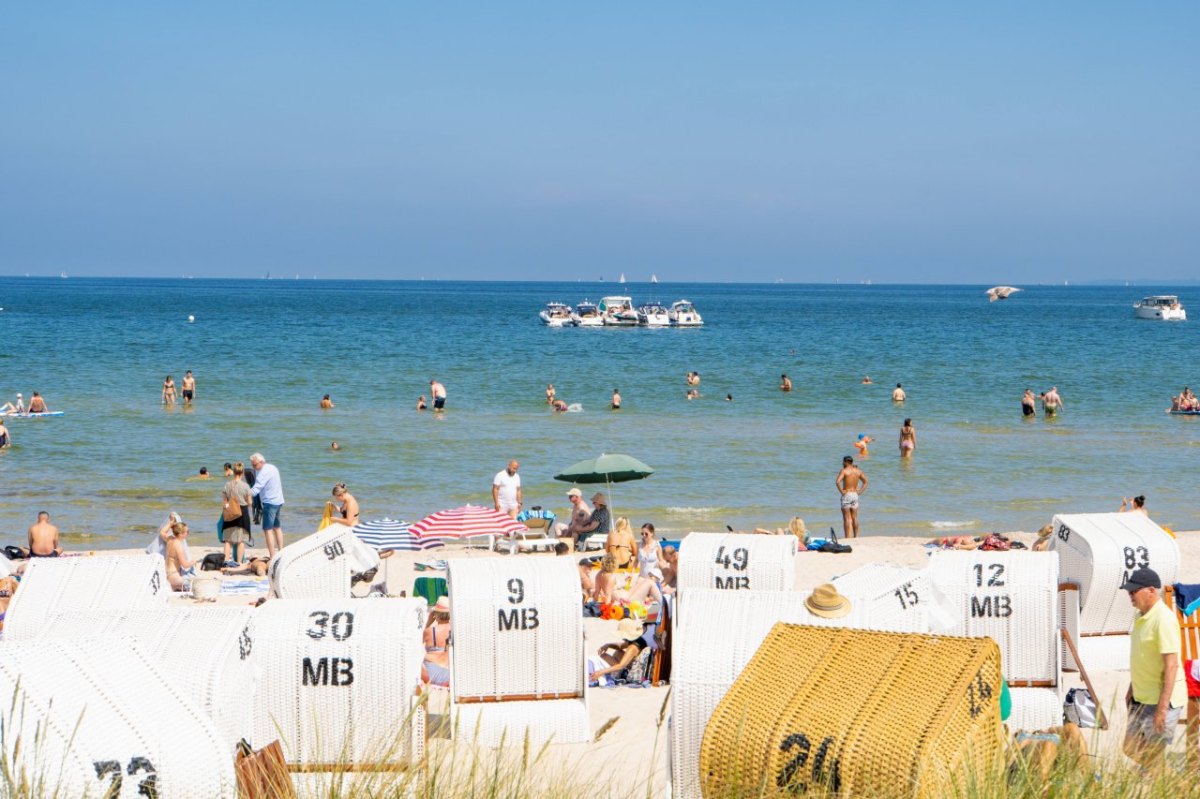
(634, 738)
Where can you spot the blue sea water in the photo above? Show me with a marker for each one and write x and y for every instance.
(264, 352)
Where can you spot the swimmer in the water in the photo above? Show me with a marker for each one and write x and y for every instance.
(898, 394)
(558, 405)
(866, 381)
(421, 403)
(616, 400)
(550, 394)
(326, 402)
(861, 444)
(335, 446)
(729, 398)
(785, 383)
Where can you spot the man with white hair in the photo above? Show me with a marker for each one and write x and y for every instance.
(1157, 690)
(268, 487)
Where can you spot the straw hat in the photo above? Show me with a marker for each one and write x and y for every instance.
(442, 605)
(825, 601)
(629, 629)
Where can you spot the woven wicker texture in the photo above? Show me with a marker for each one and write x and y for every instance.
(555, 721)
(715, 635)
(1104, 652)
(518, 636)
(1098, 550)
(1012, 598)
(204, 651)
(113, 583)
(1068, 619)
(897, 599)
(6, 567)
(729, 561)
(1034, 709)
(107, 716)
(857, 711)
(319, 566)
(337, 679)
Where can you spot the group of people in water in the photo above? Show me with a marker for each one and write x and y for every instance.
(187, 387)
(1051, 402)
(1185, 401)
(37, 404)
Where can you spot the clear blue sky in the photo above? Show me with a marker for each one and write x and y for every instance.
(903, 142)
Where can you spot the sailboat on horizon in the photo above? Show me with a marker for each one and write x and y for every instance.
(621, 279)
(653, 278)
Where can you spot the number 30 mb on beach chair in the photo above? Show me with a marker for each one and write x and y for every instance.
(517, 662)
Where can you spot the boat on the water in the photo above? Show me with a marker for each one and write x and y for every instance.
(653, 278)
(653, 314)
(621, 279)
(557, 314)
(684, 314)
(587, 314)
(1163, 307)
(618, 311)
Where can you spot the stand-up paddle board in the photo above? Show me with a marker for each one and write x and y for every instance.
(11, 415)
(1184, 413)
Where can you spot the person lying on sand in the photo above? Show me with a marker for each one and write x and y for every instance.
(255, 566)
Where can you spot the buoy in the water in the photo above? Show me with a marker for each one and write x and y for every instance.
(191, 318)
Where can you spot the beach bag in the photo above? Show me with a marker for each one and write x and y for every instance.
(263, 774)
(15, 553)
(213, 561)
(833, 545)
(994, 543)
(231, 511)
(1079, 708)
(639, 670)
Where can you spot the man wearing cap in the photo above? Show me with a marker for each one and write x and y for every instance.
(599, 522)
(580, 515)
(1157, 691)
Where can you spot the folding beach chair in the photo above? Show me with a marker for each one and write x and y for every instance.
(535, 539)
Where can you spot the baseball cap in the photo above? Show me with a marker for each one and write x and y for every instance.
(574, 492)
(1142, 578)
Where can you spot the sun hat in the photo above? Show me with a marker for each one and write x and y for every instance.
(598, 496)
(629, 629)
(826, 602)
(574, 492)
(442, 605)
(1142, 578)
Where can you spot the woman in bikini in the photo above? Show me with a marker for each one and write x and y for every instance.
(349, 509)
(180, 566)
(168, 391)
(436, 668)
(620, 543)
(606, 581)
(908, 439)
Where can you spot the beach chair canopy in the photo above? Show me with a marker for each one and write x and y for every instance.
(321, 565)
(97, 717)
(111, 583)
(338, 680)
(896, 598)
(737, 562)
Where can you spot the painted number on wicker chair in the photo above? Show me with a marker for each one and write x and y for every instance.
(111, 769)
(334, 550)
(1135, 558)
(993, 581)
(340, 625)
(1064, 533)
(155, 583)
(907, 596)
(738, 560)
(786, 777)
(517, 618)
(978, 694)
(245, 643)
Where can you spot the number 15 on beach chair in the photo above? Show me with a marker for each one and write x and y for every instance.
(517, 661)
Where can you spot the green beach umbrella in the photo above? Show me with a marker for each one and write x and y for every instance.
(607, 469)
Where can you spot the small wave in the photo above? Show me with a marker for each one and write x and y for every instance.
(693, 511)
(953, 524)
(575, 407)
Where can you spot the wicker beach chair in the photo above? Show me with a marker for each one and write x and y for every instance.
(204, 651)
(338, 681)
(1098, 551)
(111, 583)
(1012, 598)
(6, 567)
(97, 717)
(716, 632)
(738, 562)
(798, 718)
(896, 598)
(320, 566)
(517, 663)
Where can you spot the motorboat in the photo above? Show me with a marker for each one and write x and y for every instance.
(1163, 307)
(618, 311)
(587, 314)
(684, 314)
(653, 314)
(556, 314)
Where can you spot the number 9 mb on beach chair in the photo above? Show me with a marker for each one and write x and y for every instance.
(1012, 598)
(516, 661)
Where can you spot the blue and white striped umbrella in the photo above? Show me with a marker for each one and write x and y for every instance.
(392, 534)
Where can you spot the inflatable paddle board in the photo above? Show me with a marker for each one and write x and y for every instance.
(10, 415)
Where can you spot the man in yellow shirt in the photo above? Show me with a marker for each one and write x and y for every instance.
(1157, 691)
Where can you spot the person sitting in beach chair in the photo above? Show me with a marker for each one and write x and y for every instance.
(438, 637)
(618, 658)
(598, 522)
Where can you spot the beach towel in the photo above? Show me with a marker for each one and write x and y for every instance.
(1187, 597)
(431, 588)
(248, 587)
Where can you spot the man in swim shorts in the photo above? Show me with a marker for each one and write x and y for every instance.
(37, 404)
(898, 394)
(43, 538)
(785, 383)
(851, 482)
(438, 392)
(188, 386)
(1051, 402)
(506, 490)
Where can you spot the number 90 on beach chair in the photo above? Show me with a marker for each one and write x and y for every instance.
(320, 566)
(517, 661)
(737, 562)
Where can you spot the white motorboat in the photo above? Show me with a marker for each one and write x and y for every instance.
(618, 311)
(653, 314)
(1163, 307)
(587, 314)
(684, 314)
(556, 314)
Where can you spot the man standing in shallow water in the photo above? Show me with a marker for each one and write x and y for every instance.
(188, 386)
(438, 392)
(851, 482)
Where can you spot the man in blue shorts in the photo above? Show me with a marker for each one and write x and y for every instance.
(268, 486)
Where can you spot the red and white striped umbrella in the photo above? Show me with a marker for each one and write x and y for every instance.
(465, 522)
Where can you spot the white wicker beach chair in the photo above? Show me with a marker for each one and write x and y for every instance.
(6, 567)
(97, 717)
(338, 679)
(1068, 619)
(112, 583)
(898, 598)
(320, 566)
(737, 562)
(1098, 551)
(205, 651)
(715, 634)
(517, 663)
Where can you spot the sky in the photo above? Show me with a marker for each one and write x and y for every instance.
(796, 141)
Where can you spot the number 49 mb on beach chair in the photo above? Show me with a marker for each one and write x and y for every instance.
(517, 662)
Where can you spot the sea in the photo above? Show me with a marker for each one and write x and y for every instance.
(742, 454)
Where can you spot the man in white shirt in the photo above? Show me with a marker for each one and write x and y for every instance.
(268, 487)
(506, 490)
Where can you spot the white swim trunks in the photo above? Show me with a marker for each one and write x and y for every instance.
(850, 500)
